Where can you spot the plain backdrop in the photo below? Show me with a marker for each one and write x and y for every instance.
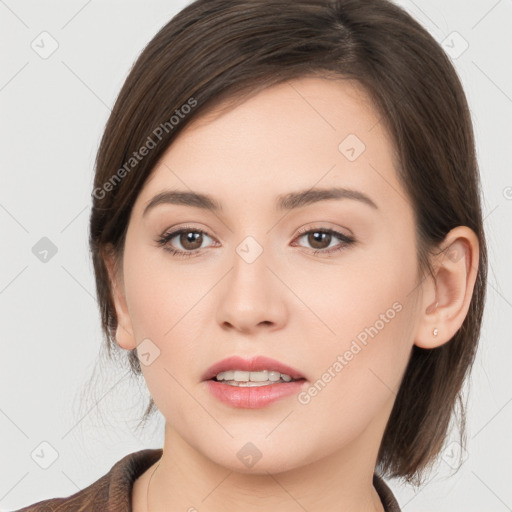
(54, 108)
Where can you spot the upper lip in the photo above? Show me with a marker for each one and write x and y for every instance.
(253, 364)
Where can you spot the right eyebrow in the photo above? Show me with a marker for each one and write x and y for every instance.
(185, 198)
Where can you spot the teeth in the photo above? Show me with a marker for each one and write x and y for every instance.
(263, 376)
(248, 384)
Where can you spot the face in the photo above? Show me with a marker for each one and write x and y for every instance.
(324, 285)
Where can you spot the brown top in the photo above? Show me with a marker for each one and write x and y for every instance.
(113, 491)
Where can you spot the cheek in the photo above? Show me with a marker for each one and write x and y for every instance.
(357, 377)
(161, 293)
(350, 294)
(166, 304)
(161, 306)
(368, 316)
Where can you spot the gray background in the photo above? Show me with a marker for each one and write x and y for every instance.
(53, 113)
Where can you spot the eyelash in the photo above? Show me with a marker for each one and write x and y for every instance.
(166, 238)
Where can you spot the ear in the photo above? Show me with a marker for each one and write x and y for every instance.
(446, 299)
(124, 332)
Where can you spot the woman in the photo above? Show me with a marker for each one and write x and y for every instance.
(287, 240)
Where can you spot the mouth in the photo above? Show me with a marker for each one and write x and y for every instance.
(253, 379)
(252, 383)
(252, 372)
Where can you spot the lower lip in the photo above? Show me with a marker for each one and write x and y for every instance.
(253, 397)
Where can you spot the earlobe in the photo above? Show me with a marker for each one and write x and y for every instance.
(124, 332)
(446, 300)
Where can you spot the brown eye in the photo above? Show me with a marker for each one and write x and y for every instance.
(318, 239)
(191, 240)
(183, 242)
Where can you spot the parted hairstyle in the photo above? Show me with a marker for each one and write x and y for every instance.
(217, 51)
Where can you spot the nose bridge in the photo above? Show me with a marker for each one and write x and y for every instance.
(251, 295)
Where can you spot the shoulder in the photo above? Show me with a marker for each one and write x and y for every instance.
(386, 495)
(111, 492)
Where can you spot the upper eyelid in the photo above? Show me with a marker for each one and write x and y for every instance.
(301, 231)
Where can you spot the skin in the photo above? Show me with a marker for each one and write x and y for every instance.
(301, 308)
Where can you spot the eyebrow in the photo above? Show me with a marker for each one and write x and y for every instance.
(290, 201)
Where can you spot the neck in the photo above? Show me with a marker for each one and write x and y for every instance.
(185, 479)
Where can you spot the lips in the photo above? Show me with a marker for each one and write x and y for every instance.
(255, 364)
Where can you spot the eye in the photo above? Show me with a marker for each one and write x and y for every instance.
(190, 240)
(321, 238)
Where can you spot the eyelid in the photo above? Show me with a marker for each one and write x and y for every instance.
(170, 233)
(345, 240)
(322, 227)
(175, 230)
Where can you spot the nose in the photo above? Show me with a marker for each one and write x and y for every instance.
(252, 297)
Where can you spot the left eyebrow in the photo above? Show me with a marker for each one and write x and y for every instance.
(314, 195)
(288, 201)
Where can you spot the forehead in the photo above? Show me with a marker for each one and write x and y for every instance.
(298, 134)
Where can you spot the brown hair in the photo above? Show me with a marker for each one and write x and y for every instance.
(216, 50)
